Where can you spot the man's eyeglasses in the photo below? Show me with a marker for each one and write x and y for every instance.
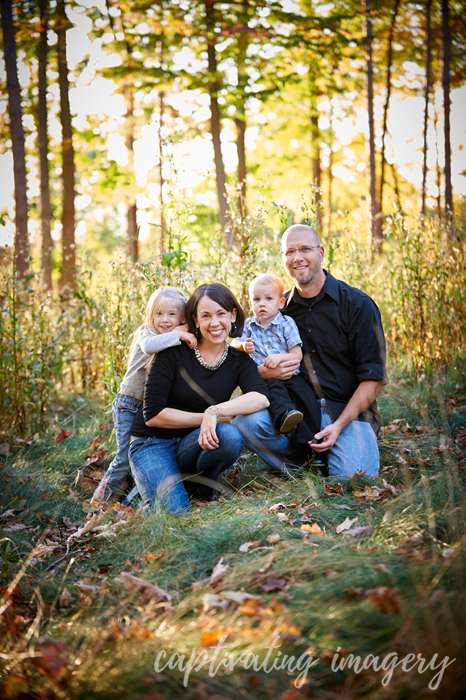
(305, 250)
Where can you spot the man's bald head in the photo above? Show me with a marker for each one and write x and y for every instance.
(302, 258)
(303, 232)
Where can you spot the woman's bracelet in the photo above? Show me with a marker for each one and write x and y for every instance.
(213, 410)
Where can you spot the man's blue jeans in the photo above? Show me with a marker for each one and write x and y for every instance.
(171, 468)
(355, 449)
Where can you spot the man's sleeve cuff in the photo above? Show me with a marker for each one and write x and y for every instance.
(371, 372)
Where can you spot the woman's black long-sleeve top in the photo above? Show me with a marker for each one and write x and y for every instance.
(176, 379)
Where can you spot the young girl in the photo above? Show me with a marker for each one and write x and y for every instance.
(162, 329)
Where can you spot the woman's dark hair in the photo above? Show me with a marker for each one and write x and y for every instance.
(222, 296)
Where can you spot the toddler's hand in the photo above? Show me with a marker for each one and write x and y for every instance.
(188, 338)
(182, 327)
(249, 346)
(272, 361)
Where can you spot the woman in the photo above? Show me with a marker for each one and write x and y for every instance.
(182, 438)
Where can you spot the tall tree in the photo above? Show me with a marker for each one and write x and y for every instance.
(388, 89)
(17, 140)
(45, 209)
(446, 106)
(215, 126)
(68, 216)
(426, 105)
(376, 242)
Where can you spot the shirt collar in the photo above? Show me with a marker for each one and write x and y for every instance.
(275, 321)
(330, 287)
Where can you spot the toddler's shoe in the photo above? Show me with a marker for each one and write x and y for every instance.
(290, 421)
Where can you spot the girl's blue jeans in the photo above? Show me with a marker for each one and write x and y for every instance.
(171, 469)
(123, 408)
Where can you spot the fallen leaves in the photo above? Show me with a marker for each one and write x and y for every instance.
(53, 660)
(346, 524)
(273, 539)
(138, 585)
(273, 583)
(218, 572)
(313, 529)
(386, 600)
(87, 527)
(333, 489)
(249, 546)
(63, 435)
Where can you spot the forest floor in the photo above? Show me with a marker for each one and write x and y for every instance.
(277, 582)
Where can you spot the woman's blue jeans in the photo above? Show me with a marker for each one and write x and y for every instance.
(172, 468)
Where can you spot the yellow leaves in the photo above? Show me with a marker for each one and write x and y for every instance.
(370, 493)
(313, 529)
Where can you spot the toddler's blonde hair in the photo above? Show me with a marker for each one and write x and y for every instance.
(266, 278)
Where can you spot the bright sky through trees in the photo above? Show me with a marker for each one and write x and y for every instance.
(192, 157)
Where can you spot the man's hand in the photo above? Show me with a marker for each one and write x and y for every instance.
(328, 436)
(249, 346)
(284, 370)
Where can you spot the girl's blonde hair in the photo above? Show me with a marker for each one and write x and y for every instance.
(158, 301)
(266, 278)
(161, 298)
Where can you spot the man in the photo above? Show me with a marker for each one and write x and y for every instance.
(344, 360)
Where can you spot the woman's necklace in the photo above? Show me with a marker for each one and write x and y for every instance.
(205, 364)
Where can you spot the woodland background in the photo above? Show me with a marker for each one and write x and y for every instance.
(154, 143)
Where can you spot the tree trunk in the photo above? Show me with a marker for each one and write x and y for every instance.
(446, 107)
(426, 106)
(316, 166)
(241, 149)
(330, 195)
(437, 168)
(379, 222)
(45, 210)
(68, 221)
(376, 242)
(131, 214)
(161, 237)
(17, 140)
(215, 128)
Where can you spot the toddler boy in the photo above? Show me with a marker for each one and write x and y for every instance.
(272, 338)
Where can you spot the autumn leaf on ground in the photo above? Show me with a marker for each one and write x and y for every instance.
(212, 600)
(313, 529)
(272, 539)
(151, 556)
(284, 518)
(87, 527)
(385, 599)
(273, 583)
(346, 524)
(209, 639)
(389, 487)
(279, 506)
(249, 546)
(147, 590)
(251, 607)
(63, 435)
(42, 550)
(333, 489)
(65, 600)
(219, 571)
(370, 493)
(53, 661)
(381, 568)
(239, 597)
(358, 530)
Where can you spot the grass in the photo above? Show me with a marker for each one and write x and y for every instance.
(398, 587)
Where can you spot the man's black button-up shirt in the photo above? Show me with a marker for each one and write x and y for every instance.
(343, 341)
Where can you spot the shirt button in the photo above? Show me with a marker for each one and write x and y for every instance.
(309, 330)
(312, 350)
